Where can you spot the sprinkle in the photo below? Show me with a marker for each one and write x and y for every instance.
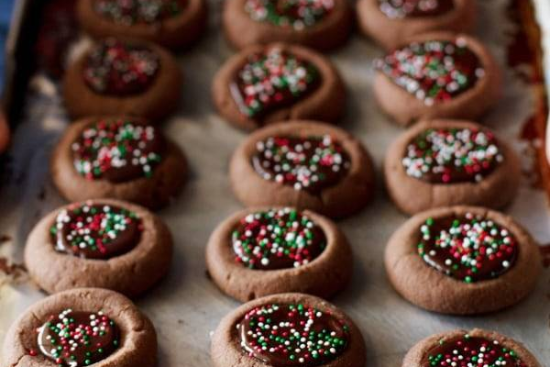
(272, 79)
(311, 163)
(116, 68)
(450, 155)
(277, 239)
(433, 71)
(295, 14)
(130, 12)
(470, 248)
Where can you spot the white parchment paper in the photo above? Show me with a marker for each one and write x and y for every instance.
(186, 306)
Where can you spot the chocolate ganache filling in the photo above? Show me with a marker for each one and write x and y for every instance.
(469, 248)
(96, 231)
(77, 338)
(287, 335)
(272, 80)
(306, 163)
(277, 239)
(471, 351)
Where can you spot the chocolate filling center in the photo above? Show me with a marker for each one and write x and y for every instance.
(433, 71)
(469, 351)
(286, 335)
(469, 248)
(452, 155)
(399, 9)
(272, 80)
(277, 239)
(120, 69)
(117, 150)
(296, 14)
(76, 338)
(96, 231)
(312, 163)
(130, 12)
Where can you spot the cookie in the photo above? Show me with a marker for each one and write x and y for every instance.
(175, 24)
(278, 82)
(99, 243)
(319, 24)
(442, 163)
(461, 348)
(437, 75)
(303, 164)
(241, 336)
(123, 158)
(391, 22)
(62, 330)
(124, 78)
(462, 260)
(263, 251)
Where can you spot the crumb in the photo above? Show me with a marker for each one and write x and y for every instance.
(12, 272)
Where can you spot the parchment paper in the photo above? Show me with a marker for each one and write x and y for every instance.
(186, 306)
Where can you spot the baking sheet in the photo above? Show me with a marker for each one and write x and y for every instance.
(186, 307)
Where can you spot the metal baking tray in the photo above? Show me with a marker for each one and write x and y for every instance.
(186, 307)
